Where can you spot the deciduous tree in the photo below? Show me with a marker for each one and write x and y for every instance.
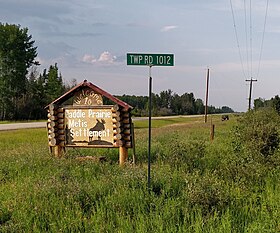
(17, 54)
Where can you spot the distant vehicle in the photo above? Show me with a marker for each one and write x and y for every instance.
(225, 117)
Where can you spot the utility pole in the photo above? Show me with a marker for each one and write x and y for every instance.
(250, 92)
(206, 96)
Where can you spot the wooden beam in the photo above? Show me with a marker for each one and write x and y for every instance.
(123, 155)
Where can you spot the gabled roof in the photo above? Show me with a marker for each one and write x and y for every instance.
(96, 89)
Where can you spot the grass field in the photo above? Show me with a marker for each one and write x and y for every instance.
(197, 185)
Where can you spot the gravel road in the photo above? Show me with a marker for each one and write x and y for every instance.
(29, 125)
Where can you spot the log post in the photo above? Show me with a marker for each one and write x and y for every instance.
(133, 144)
(123, 155)
(57, 151)
(212, 132)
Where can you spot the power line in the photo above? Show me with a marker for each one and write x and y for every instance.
(251, 40)
(236, 36)
(261, 50)
(249, 51)
(246, 35)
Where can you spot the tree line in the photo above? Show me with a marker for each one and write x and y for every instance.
(274, 103)
(40, 90)
(169, 103)
(24, 92)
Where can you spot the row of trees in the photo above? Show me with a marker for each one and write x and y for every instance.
(169, 103)
(17, 54)
(274, 102)
(40, 90)
(24, 92)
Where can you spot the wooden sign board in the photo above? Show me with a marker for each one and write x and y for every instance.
(89, 126)
(87, 97)
(86, 122)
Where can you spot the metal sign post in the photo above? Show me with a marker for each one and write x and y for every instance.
(150, 127)
(150, 60)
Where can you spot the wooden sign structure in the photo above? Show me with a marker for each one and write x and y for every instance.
(88, 123)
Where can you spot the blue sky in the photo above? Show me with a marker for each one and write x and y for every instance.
(89, 39)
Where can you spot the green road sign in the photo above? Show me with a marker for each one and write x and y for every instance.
(150, 59)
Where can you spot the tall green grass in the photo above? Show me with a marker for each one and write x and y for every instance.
(195, 185)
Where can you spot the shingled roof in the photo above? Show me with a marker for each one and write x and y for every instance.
(96, 89)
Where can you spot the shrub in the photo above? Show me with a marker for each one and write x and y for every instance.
(207, 192)
(257, 134)
(255, 140)
(184, 152)
(5, 215)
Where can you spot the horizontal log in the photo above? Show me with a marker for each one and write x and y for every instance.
(60, 126)
(126, 131)
(60, 110)
(51, 117)
(61, 132)
(51, 130)
(61, 137)
(60, 121)
(126, 138)
(126, 126)
(52, 142)
(118, 143)
(51, 136)
(117, 136)
(51, 111)
(116, 125)
(128, 144)
(115, 108)
(116, 130)
(126, 120)
(124, 110)
(115, 120)
(125, 115)
(60, 115)
(51, 124)
(115, 114)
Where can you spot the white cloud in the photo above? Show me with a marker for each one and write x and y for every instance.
(104, 58)
(89, 58)
(168, 28)
(107, 57)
